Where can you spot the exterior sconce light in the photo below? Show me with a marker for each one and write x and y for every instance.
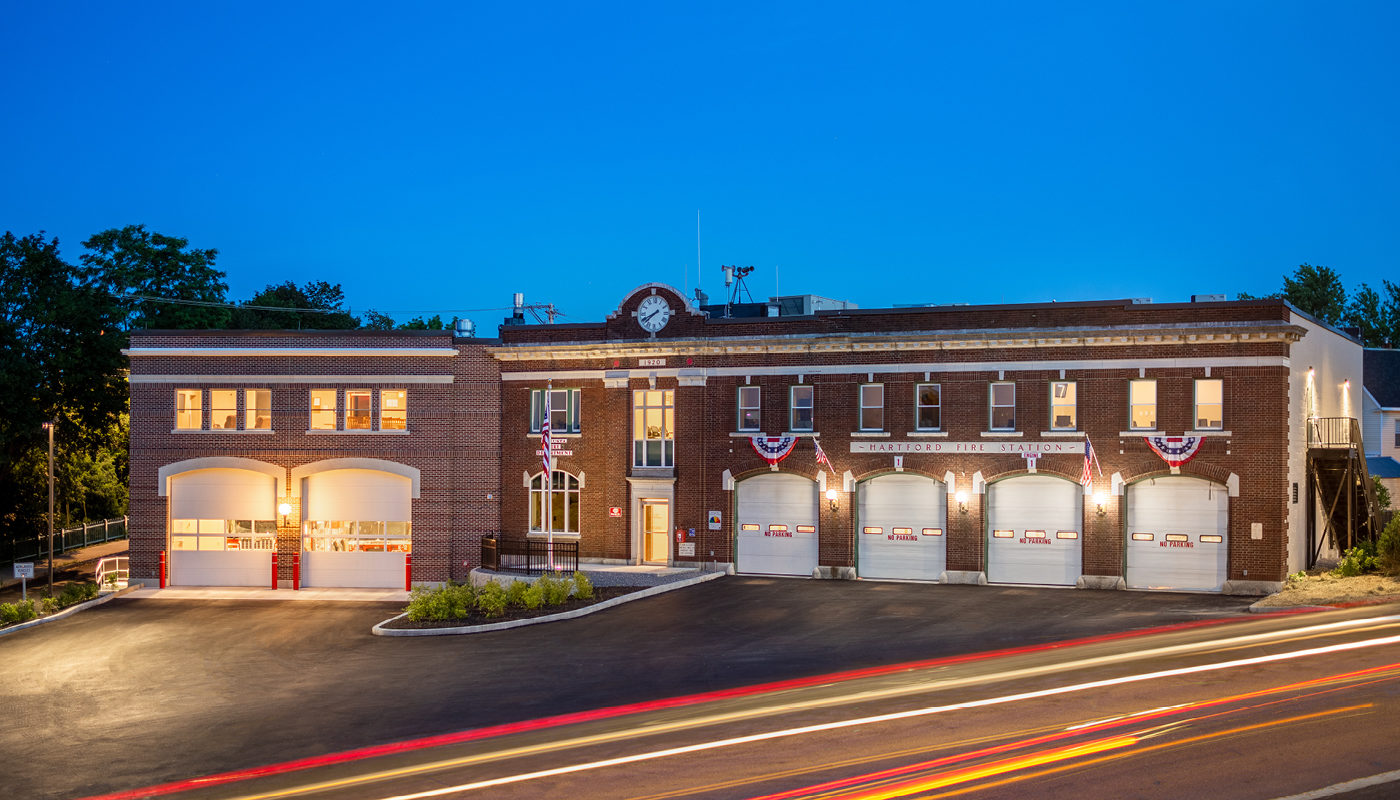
(1100, 503)
(962, 502)
(285, 509)
(831, 499)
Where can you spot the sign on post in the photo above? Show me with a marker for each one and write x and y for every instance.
(24, 570)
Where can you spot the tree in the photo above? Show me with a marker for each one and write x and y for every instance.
(1389, 324)
(317, 305)
(1364, 314)
(133, 261)
(376, 321)
(60, 359)
(433, 323)
(1317, 291)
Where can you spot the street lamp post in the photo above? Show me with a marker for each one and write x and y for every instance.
(48, 426)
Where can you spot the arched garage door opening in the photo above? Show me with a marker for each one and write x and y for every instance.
(1034, 525)
(223, 527)
(356, 529)
(901, 519)
(1177, 534)
(777, 525)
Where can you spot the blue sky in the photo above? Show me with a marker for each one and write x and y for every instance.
(437, 158)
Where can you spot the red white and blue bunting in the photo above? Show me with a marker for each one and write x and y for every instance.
(773, 448)
(1175, 450)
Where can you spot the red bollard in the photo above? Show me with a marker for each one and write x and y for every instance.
(296, 571)
(408, 573)
(162, 569)
(274, 569)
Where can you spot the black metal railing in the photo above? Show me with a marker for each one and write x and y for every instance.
(1334, 432)
(31, 548)
(527, 555)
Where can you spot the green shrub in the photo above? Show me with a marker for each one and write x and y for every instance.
(583, 587)
(50, 605)
(533, 596)
(1388, 548)
(1356, 561)
(515, 594)
(12, 613)
(556, 589)
(450, 601)
(75, 593)
(491, 599)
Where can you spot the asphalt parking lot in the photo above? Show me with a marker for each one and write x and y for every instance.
(135, 692)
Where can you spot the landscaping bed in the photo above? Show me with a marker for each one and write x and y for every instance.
(476, 617)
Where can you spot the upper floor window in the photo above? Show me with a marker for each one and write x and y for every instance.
(1063, 406)
(872, 407)
(324, 409)
(928, 406)
(559, 505)
(1002, 402)
(653, 428)
(393, 410)
(750, 418)
(359, 414)
(800, 401)
(223, 409)
(1210, 404)
(563, 410)
(189, 413)
(1142, 405)
(257, 405)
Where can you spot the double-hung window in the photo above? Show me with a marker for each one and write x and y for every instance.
(257, 409)
(324, 409)
(1210, 404)
(800, 402)
(393, 410)
(1063, 406)
(223, 409)
(750, 416)
(189, 409)
(1002, 406)
(928, 407)
(872, 407)
(563, 410)
(1142, 405)
(653, 428)
(359, 414)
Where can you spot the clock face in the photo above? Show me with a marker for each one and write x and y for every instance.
(653, 314)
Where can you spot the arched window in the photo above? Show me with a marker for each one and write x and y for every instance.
(563, 503)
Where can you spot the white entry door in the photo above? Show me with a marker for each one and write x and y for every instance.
(777, 525)
(900, 528)
(1178, 534)
(1034, 524)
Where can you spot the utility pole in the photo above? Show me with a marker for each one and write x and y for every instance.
(48, 426)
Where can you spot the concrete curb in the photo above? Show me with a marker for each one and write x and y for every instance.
(96, 601)
(380, 630)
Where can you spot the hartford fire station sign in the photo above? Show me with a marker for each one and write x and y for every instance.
(988, 448)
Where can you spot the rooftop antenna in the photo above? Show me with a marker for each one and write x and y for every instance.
(734, 276)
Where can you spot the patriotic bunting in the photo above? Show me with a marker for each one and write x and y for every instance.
(773, 448)
(1175, 450)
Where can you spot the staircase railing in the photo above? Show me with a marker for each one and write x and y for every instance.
(1344, 433)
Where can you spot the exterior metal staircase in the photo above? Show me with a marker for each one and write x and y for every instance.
(1340, 486)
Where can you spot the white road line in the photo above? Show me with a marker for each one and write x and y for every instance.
(1347, 786)
(900, 715)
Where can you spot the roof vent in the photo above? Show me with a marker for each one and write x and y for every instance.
(464, 328)
(1207, 298)
(1140, 301)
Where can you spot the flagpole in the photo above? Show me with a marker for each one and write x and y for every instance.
(548, 442)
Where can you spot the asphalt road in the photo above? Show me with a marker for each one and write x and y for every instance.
(137, 692)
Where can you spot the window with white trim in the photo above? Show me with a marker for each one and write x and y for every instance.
(1210, 404)
(928, 407)
(1064, 414)
(564, 416)
(257, 407)
(223, 409)
(189, 409)
(359, 413)
(750, 411)
(800, 407)
(872, 407)
(324, 409)
(653, 428)
(1001, 401)
(1142, 405)
(393, 410)
(560, 505)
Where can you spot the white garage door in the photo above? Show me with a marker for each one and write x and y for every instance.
(900, 519)
(777, 525)
(357, 529)
(1178, 534)
(223, 528)
(1034, 528)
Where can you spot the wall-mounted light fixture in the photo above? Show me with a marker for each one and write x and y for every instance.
(831, 499)
(1100, 503)
(961, 497)
(285, 509)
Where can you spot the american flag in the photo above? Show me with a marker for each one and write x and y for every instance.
(1091, 463)
(546, 441)
(821, 455)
